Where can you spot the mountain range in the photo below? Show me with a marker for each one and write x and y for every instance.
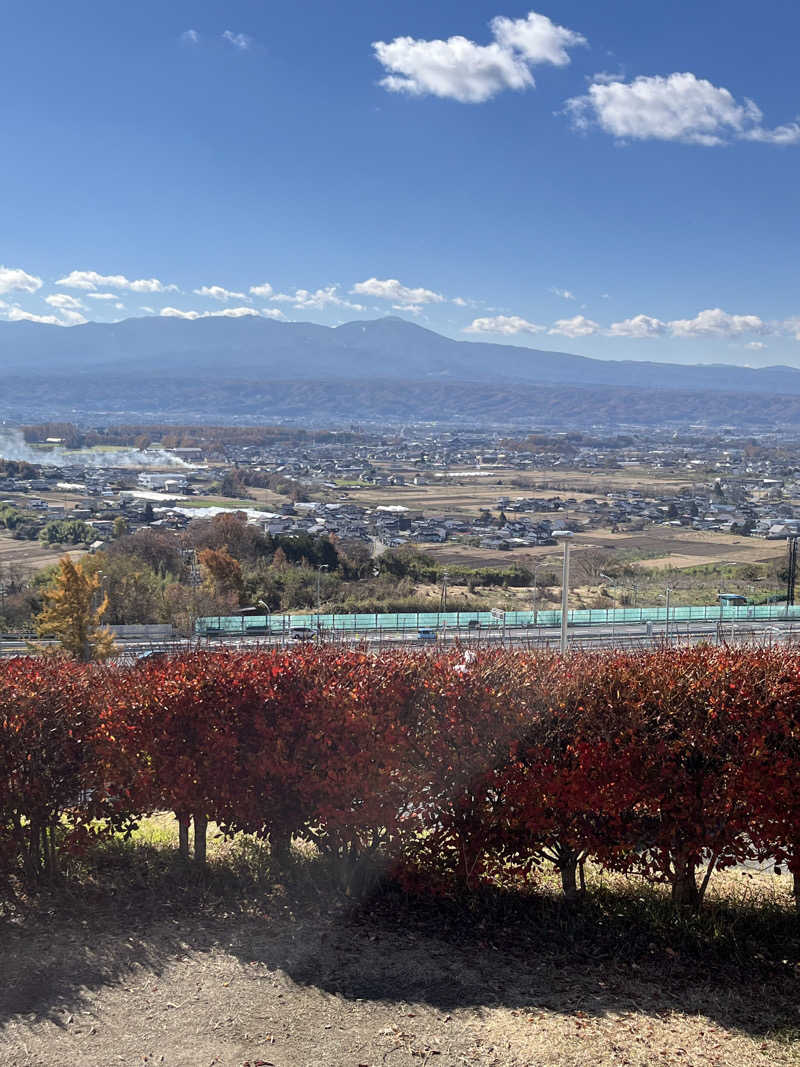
(155, 361)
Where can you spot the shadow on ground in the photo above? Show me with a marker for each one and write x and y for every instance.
(519, 953)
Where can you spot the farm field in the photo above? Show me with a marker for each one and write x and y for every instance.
(32, 554)
(661, 548)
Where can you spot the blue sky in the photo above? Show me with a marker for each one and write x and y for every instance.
(615, 179)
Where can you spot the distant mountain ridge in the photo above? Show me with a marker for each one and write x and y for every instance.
(380, 350)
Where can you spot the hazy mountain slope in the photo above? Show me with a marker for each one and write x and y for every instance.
(261, 349)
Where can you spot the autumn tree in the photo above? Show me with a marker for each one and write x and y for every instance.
(223, 571)
(70, 615)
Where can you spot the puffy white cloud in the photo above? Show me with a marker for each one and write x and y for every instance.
(504, 324)
(217, 292)
(232, 313)
(102, 296)
(793, 326)
(391, 289)
(756, 346)
(227, 313)
(460, 302)
(565, 294)
(640, 326)
(64, 301)
(305, 300)
(678, 107)
(12, 279)
(412, 309)
(190, 37)
(238, 40)
(457, 69)
(461, 69)
(91, 280)
(715, 321)
(176, 313)
(536, 38)
(577, 326)
(16, 314)
(273, 313)
(264, 290)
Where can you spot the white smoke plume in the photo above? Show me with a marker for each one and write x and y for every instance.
(14, 446)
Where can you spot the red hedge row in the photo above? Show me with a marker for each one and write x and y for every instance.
(446, 769)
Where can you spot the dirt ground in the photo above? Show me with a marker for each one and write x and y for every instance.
(288, 993)
(278, 987)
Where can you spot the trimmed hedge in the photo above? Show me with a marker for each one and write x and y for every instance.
(444, 770)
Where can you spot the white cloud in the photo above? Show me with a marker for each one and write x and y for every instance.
(678, 107)
(640, 326)
(412, 309)
(16, 314)
(227, 313)
(536, 38)
(305, 300)
(460, 302)
(64, 302)
(391, 289)
(565, 294)
(716, 322)
(91, 280)
(190, 37)
(577, 326)
(264, 290)
(238, 40)
(176, 313)
(793, 326)
(102, 296)
(147, 310)
(273, 313)
(73, 318)
(504, 324)
(460, 69)
(756, 346)
(12, 279)
(232, 313)
(216, 292)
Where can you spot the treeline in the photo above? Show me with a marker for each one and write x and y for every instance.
(141, 435)
(440, 772)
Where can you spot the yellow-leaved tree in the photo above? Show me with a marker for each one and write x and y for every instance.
(70, 614)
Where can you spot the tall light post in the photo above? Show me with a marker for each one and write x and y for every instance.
(666, 594)
(564, 536)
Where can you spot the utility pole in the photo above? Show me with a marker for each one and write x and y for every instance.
(666, 624)
(564, 536)
(792, 573)
(320, 568)
(443, 597)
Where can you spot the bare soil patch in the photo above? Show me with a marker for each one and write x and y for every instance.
(199, 979)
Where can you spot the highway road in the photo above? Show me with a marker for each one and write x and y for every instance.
(629, 635)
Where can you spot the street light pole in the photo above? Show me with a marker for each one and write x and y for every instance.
(666, 624)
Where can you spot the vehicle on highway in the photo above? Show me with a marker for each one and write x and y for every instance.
(303, 633)
(427, 635)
